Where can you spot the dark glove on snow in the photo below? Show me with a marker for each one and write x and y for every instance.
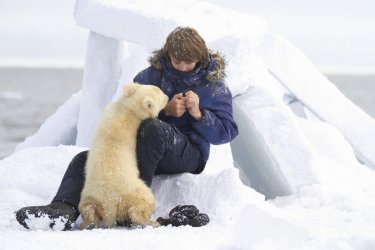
(185, 215)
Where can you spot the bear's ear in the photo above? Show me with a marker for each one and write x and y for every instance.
(149, 104)
(130, 89)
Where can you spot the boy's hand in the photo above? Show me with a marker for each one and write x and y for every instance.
(192, 104)
(176, 107)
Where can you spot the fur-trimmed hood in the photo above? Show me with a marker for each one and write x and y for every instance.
(214, 73)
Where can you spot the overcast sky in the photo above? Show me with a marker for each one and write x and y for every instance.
(335, 34)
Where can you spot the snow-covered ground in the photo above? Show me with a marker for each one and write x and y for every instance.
(294, 139)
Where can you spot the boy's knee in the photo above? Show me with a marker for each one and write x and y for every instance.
(79, 160)
(152, 129)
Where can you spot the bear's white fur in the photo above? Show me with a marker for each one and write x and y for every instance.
(113, 190)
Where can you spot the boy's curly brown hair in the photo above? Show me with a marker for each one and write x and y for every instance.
(185, 44)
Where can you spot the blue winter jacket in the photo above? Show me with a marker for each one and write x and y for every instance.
(215, 100)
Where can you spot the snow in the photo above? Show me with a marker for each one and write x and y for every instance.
(281, 152)
(98, 87)
(203, 16)
(298, 144)
(308, 85)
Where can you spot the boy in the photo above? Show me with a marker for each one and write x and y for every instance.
(199, 113)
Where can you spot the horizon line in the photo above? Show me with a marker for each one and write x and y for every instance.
(79, 64)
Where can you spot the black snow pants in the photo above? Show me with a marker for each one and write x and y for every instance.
(161, 149)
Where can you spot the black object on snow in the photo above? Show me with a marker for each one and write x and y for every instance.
(190, 211)
(199, 220)
(56, 212)
(183, 215)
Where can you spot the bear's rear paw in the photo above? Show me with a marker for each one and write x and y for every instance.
(88, 226)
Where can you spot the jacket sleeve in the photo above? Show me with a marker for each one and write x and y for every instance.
(217, 125)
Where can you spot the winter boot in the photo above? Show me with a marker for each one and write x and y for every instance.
(190, 211)
(57, 216)
(183, 215)
(199, 220)
(176, 220)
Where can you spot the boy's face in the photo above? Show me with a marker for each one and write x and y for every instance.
(183, 66)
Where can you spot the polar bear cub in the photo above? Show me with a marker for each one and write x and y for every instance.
(113, 190)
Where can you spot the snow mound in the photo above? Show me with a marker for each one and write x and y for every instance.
(217, 192)
(319, 95)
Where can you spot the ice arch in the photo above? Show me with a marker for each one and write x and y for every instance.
(275, 87)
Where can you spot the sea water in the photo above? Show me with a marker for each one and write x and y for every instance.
(27, 97)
